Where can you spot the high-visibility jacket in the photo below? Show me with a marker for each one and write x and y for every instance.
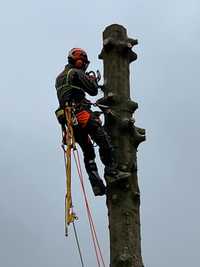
(72, 84)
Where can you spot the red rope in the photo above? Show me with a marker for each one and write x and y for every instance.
(87, 207)
(91, 222)
(95, 233)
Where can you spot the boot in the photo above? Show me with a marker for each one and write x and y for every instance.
(96, 182)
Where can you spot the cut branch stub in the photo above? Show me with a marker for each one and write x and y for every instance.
(115, 39)
(112, 99)
(139, 136)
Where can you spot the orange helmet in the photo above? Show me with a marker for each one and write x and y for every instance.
(78, 58)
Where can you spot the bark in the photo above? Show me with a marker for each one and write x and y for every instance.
(123, 198)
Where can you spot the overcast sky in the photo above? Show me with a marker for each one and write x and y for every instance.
(35, 38)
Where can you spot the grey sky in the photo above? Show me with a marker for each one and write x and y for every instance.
(35, 38)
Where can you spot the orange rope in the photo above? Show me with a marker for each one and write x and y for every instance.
(91, 222)
(95, 233)
(87, 207)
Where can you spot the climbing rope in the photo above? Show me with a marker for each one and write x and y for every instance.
(70, 216)
(69, 221)
(69, 213)
(89, 214)
(78, 244)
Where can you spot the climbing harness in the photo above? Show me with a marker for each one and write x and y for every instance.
(70, 216)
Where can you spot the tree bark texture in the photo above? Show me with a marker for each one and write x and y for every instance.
(123, 197)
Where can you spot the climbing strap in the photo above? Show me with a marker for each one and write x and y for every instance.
(70, 216)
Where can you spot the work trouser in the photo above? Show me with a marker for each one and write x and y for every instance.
(89, 129)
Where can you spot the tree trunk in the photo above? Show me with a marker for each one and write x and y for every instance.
(123, 198)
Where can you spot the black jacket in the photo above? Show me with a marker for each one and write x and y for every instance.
(72, 84)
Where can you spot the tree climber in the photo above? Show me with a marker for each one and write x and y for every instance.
(71, 85)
